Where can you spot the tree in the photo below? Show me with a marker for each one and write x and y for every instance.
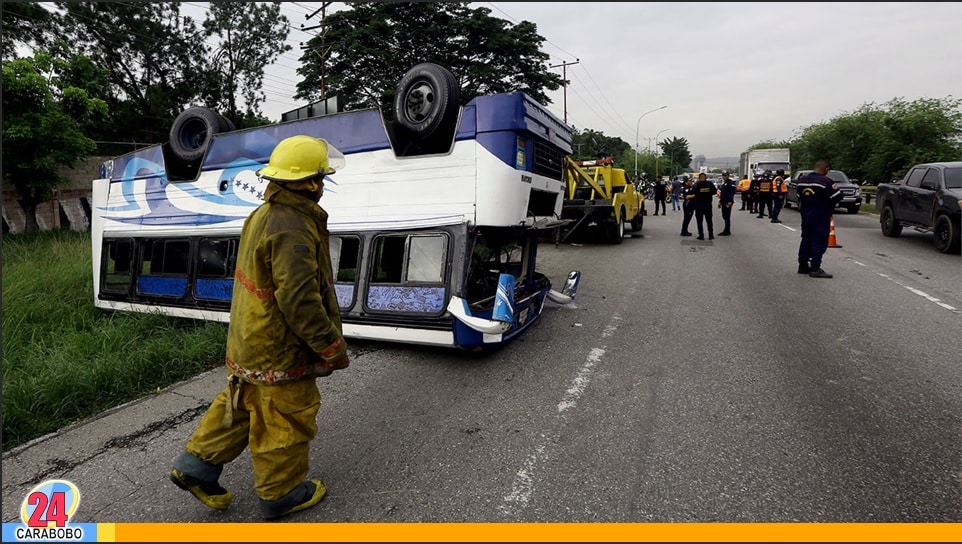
(367, 49)
(24, 23)
(590, 144)
(252, 36)
(679, 157)
(156, 60)
(880, 143)
(43, 124)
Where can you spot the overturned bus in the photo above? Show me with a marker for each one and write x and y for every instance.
(434, 218)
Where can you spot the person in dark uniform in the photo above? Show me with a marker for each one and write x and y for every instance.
(753, 193)
(702, 194)
(818, 195)
(726, 201)
(686, 205)
(764, 195)
(779, 190)
(661, 195)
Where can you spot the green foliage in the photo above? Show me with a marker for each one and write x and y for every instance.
(678, 155)
(43, 128)
(157, 62)
(63, 359)
(879, 143)
(370, 47)
(252, 36)
(590, 144)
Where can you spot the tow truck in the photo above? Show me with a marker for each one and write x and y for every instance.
(599, 195)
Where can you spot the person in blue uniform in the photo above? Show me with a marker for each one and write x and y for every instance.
(818, 195)
(726, 201)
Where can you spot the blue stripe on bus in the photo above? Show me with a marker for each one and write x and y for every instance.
(162, 286)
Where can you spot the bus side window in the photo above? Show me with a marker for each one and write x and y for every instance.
(165, 257)
(217, 258)
(426, 255)
(345, 253)
(117, 266)
(388, 259)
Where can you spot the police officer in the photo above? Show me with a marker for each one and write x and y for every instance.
(726, 201)
(753, 193)
(818, 195)
(779, 190)
(764, 195)
(686, 205)
(702, 194)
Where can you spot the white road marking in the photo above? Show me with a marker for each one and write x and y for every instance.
(523, 485)
(918, 292)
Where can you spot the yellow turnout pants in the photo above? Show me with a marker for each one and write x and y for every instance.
(276, 421)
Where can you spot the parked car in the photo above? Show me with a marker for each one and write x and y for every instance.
(851, 193)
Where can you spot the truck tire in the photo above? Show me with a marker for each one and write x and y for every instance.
(426, 100)
(890, 225)
(636, 222)
(192, 132)
(947, 236)
(616, 230)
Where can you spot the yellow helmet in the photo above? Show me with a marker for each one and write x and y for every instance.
(301, 157)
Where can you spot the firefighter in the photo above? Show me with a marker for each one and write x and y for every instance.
(284, 332)
(818, 195)
(763, 197)
(779, 190)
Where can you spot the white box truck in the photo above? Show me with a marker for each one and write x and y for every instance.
(756, 161)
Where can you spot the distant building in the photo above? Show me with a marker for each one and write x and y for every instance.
(697, 162)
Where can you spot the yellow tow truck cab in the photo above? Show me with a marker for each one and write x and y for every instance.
(599, 195)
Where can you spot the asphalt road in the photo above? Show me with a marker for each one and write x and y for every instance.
(688, 381)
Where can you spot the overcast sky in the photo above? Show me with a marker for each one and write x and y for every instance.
(731, 74)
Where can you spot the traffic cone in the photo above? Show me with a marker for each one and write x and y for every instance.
(832, 242)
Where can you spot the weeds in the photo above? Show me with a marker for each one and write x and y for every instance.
(65, 360)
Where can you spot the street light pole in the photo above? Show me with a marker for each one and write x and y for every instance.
(637, 124)
(657, 156)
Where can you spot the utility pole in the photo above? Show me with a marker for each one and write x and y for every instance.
(564, 83)
(323, 54)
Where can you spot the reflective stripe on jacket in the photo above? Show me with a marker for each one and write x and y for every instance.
(285, 323)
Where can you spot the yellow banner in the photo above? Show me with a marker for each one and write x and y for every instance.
(529, 532)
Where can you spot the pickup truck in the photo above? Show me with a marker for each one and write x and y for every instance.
(928, 199)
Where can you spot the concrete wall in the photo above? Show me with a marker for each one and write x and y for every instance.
(69, 208)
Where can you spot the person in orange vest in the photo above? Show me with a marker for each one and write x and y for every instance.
(763, 197)
(779, 190)
(743, 188)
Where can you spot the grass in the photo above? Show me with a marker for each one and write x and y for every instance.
(65, 360)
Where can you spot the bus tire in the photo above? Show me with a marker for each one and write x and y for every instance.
(192, 132)
(426, 100)
(226, 125)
